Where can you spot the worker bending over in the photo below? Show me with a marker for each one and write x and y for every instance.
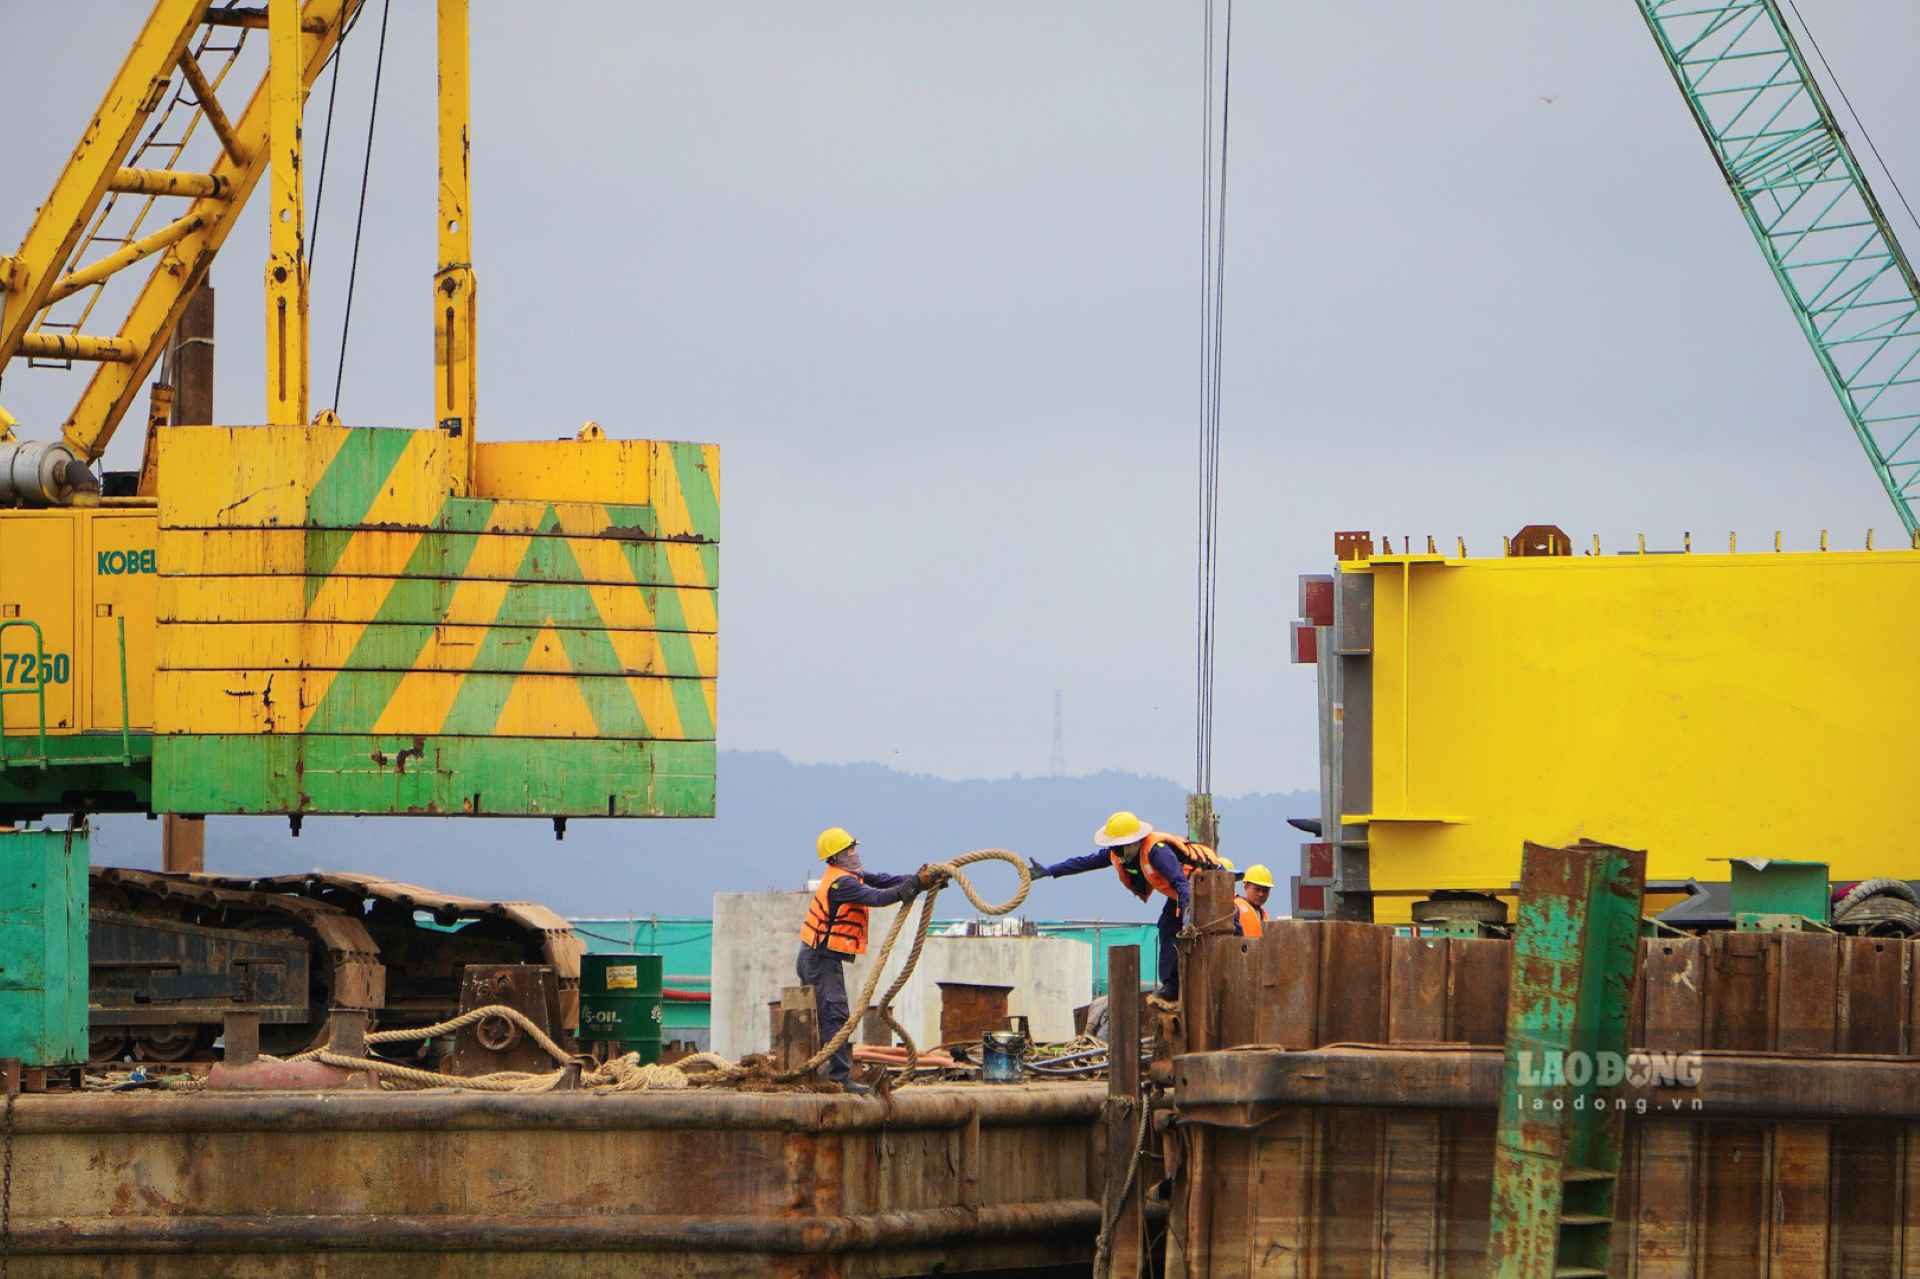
(835, 933)
(1147, 861)
(1251, 903)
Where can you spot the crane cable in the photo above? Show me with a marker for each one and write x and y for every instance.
(1213, 272)
(360, 219)
(326, 140)
(1858, 122)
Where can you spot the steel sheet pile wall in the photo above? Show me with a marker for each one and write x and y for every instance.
(686, 1185)
(1388, 1170)
(347, 626)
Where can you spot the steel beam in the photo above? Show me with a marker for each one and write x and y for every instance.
(210, 104)
(125, 256)
(286, 220)
(455, 395)
(170, 182)
(1011, 1105)
(500, 1233)
(64, 346)
(1244, 1088)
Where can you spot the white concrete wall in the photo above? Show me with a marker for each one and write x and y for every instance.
(1050, 976)
(756, 937)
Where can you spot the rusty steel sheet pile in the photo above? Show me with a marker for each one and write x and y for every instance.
(1334, 1111)
(688, 1184)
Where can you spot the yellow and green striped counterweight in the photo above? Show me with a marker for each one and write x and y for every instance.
(338, 634)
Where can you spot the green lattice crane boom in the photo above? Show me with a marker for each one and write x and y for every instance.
(1813, 214)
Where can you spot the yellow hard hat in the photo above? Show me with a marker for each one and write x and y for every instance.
(1121, 828)
(833, 841)
(1228, 863)
(1260, 875)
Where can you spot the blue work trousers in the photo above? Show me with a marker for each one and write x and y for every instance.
(1170, 922)
(827, 975)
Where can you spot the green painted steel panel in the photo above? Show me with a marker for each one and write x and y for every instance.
(43, 946)
(346, 492)
(483, 776)
(685, 945)
(1778, 887)
(1576, 954)
(1100, 935)
(27, 793)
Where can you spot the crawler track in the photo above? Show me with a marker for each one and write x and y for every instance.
(394, 949)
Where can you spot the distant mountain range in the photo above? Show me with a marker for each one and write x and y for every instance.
(771, 808)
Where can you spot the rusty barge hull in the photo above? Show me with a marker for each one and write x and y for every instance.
(681, 1185)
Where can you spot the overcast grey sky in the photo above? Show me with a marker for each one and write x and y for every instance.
(929, 274)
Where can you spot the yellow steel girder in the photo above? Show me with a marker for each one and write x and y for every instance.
(286, 220)
(454, 392)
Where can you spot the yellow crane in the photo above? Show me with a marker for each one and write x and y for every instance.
(313, 617)
(306, 617)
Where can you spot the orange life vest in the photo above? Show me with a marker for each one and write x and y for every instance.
(843, 926)
(1142, 880)
(1251, 917)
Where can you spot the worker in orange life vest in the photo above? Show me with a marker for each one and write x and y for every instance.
(1251, 903)
(1148, 861)
(835, 932)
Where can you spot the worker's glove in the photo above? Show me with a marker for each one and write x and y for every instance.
(930, 876)
(1036, 870)
(1187, 933)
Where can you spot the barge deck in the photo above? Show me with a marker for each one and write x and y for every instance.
(686, 1184)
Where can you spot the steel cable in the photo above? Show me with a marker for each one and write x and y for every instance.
(360, 219)
(1842, 89)
(1213, 264)
(1206, 398)
(326, 140)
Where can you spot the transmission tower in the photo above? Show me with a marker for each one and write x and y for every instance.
(1058, 766)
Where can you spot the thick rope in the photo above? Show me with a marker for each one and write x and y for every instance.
(623, 1074)
(865, 1000)
(452, 1026)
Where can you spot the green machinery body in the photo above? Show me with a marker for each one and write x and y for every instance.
(43, 946)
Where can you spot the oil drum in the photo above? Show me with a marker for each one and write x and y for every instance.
(620, 1002)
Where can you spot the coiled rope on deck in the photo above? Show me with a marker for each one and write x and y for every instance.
(621, 1074)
